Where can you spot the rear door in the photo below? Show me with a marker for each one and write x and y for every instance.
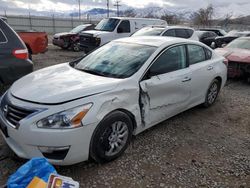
(202, 68)
(165, 89)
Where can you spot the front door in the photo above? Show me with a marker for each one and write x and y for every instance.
(165, 89)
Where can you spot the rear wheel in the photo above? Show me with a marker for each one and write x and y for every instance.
(212, 93)
(111, 137)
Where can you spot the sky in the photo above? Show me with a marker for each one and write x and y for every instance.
(239, 7)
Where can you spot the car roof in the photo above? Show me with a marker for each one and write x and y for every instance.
(211, 29)
(132, 18)
(169, 27)
(201, 32)
(156, 41)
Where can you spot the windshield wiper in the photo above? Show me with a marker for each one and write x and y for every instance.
(92, 72)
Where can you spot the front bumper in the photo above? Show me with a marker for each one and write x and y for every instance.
(27, 140)
(58, 42)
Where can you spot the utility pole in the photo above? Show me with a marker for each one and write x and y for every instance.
(117, 5)
(108, 8)
(79, 2)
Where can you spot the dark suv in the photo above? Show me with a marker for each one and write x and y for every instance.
(14, 62)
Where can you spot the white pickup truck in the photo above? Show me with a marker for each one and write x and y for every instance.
(113, 28)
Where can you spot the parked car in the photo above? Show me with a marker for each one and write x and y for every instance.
(71, 39)
(220, 41)
(219, 32)
(98, 102)
(238, 54)
(13, 55)
(36, 42)
(113, 28)
(206, 37)
(168, 31)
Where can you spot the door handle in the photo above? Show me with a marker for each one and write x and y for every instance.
(210, 68)
(186, 79)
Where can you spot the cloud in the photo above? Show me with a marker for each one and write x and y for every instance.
(221, 6)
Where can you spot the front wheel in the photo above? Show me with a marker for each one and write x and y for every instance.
(111, 137)
(212, 93)
(76, 47)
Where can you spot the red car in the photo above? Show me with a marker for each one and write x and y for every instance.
(36, 42)
(237, 53)
(71, 39)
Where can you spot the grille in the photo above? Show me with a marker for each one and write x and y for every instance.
(87, 40)
(12, 113)
(15, 114)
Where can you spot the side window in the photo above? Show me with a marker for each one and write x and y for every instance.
(208, 53)
(171, 60)
(196, 54)
(169, 33)
(124, 27)
(189, 32)
(213, 34)
(2, 37)
(181, 33)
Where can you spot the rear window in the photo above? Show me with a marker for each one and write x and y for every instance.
(3, 38)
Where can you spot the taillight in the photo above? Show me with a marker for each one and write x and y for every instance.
(21, 53)
(225, 61)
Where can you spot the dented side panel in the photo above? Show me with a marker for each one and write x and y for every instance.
(163, 96)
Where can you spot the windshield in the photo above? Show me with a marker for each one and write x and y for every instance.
(240, 43)
(149, 31)
(107, 24)
(78, 29)
(116, 59)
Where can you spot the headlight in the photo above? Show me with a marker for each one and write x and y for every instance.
(98, 41)
(65, 120)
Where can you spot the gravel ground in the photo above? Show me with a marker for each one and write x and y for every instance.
(198, 148)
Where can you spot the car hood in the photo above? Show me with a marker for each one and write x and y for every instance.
(64, 34)
(60, 84)
(95, 33)
(235, 54)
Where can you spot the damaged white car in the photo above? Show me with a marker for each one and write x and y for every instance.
(91, 107)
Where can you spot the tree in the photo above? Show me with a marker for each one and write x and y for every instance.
(171, 18)
(203, 16)
(129, 13)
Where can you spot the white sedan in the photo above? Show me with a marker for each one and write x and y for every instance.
(91, 107)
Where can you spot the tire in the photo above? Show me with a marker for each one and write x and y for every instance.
(66, 45)
(76, 47)
(212, 93)
(106, 137)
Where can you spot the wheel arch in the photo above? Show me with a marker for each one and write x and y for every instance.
(219, 80)
(128, 113)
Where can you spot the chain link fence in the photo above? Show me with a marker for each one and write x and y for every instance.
(50, 25)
